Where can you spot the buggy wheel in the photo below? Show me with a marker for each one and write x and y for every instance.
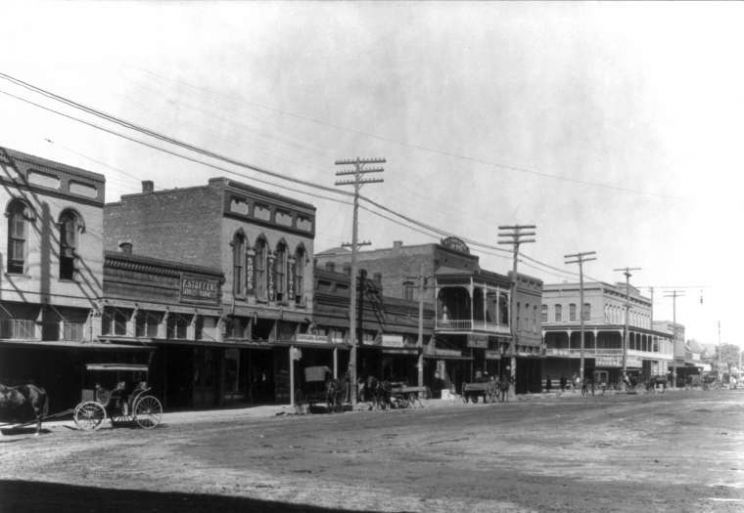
(147, 412)
(89, 415)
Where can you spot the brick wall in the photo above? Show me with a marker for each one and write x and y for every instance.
(182, 225)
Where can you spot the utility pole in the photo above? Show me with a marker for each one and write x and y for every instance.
(580, 258)
(674, 294)
(357, 181)
(515, 236)
(626, 332)
(420, 341)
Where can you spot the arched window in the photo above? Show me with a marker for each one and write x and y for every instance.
(299, 274)
(259, 265)
(280, 271)
(19, 214)
(238, 248)
(70, 224)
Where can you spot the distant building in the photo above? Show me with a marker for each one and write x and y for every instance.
(649, 350)
(472, 332)
(263, 245)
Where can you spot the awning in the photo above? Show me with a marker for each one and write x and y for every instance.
(71, 344)
(400, 350)
(446, 356)
(125, 367)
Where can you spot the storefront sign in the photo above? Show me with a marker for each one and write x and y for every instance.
(608, 361)
(493, 355)
(307, 338)
(478, 342)
(392, 341)
(199, 289)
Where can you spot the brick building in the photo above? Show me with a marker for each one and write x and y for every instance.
(52, 276)
(472, 329)
(649, 350)
(260, 241)
(388, 326)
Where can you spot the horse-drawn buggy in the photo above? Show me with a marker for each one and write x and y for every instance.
(489, 389)
(118, 391)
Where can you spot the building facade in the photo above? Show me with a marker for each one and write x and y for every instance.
(648, 353)
(260, 241)
(472, 320)
(51, 284)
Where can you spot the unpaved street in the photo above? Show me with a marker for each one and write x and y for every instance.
(674, 452)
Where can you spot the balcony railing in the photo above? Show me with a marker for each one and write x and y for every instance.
(470, 325)
(575, 352)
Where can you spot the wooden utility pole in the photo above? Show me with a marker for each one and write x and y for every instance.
(357, 181)
(580, 258)
(420, 341)
(626, 332)
(515, 236)
(674, 294)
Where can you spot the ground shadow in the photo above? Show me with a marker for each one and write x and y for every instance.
(40, 497)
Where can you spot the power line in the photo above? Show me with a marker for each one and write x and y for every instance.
(217, 156)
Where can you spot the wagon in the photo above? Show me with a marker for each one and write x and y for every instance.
(124, 396)
(487, 389)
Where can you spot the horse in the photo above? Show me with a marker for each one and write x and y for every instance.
(502, 388)
(377, 393)
(336, 393)
(653, 381)
(22, 402)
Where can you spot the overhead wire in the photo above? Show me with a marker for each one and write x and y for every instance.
(229, 160)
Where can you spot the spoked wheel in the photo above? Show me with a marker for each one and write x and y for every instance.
(89, 415)
(148, 411)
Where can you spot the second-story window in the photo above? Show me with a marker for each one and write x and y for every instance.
(69, 227)
(544, 313)
(572, 312)
(299, 274)
(238, 248)
(19, 214)
(587, 312)
(259, 265)
(408, 290)
(558, 313)
(280, 272)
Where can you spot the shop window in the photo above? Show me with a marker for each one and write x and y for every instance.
(70, 224)
(19, 215)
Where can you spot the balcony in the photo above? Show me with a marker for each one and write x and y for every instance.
(469, 325)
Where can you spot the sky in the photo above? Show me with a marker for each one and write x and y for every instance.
(612, 127)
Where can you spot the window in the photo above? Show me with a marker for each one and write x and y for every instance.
(238, 247)
(114, 321)
(544, 313)
(280, 272)
(178, 325)
(587, 313)
(330, 266)
(558, 313)
(69, 226)
(146, 324)
(18, 214)
(504, 309)
(260, 269)
(572, 312)
(299, 274)
(408, 290)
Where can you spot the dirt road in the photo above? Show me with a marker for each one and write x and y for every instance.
(674, 452)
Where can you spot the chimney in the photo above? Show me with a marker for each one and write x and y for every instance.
(126, 247)
(147, 186)
(397, 244)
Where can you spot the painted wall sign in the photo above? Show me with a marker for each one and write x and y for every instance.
(199, 289)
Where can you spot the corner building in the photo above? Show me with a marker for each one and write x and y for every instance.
(472, 331)
(263, 245)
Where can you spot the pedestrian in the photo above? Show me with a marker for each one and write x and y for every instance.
(563, 383)
(548, 384)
